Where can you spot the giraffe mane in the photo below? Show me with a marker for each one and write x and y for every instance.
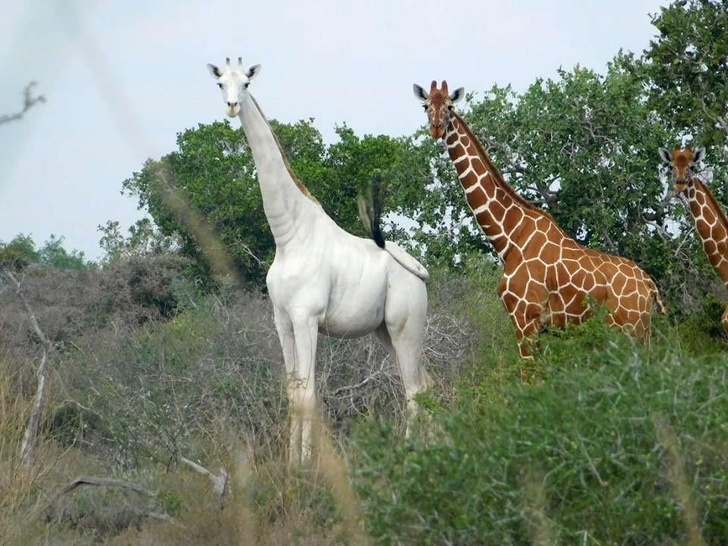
(493, 169)
(304, 190)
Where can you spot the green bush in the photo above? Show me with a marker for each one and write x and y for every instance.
(588, 456)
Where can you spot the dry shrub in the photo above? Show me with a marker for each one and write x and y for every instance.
(71, 304)
(135, 387)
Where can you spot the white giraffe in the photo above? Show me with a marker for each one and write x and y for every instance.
(322, 278)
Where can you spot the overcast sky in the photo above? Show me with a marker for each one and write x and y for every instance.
(121, 79)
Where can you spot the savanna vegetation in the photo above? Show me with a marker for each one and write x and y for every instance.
(164, 418)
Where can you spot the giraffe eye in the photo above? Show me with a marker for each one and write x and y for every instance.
(424, 107)
(219, 85)
(246, 84)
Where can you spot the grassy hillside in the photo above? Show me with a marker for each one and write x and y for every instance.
(610, 442)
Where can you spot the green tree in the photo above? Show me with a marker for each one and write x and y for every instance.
(688, 67)
(213, 171)
(687, 70)
(53, 254)
(580, 146)
(144, 239)
(18, 253)
(22, 252)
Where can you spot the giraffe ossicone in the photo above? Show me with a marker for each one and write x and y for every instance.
(709, 217)
(548, 278)
(322, 278)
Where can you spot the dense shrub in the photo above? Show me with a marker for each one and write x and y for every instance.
(592, 455)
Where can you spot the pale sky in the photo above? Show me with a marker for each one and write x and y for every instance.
(121, 79)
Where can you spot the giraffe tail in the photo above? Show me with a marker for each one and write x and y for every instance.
(370, 213)
(408, 262)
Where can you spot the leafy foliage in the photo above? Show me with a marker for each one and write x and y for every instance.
(21, 252)
(582, 145)
(213, 171)
(18, 253)
(144, 239)
(585, 456)
(688, 68)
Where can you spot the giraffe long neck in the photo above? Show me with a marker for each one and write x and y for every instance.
(497, 208)
(282, 192)
(711, 224)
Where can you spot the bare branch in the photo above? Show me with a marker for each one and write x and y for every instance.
(219, 482)
(106, 482)
(29, 100)
(113, 482)
(723, 122)
(30, 439)
(654, 216)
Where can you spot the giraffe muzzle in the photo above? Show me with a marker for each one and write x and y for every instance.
(437, 131)
(233, 109)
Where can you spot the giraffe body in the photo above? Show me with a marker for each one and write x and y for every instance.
(709, 217)
(322, 278)
(548, 278)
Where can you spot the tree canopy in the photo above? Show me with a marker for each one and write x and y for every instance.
(581, 144)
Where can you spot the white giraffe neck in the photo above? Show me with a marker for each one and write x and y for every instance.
(284, 201)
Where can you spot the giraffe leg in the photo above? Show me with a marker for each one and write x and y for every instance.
(403, 334)
(526, 318)
(527, 339)
(303, 379)
(298, 341)
(724, 320)
(415, 378)
(285, 335)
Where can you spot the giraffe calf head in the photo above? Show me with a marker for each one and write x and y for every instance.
(682, 162)
(233, 81)
(438, 104)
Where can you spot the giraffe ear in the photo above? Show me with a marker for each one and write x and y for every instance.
(457, 94)
(698, 154)
(253, 71)
(419, 92)
(215, 71)
(665, 155)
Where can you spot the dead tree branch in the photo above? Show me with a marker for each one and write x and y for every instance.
(29, 100)
(105, 482)
(219, 482)
(113, 482)
(30, 439)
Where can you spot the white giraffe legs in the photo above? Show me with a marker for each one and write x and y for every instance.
(298, 341)
(403, 334)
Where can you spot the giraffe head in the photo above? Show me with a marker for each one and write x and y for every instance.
(682, 162)
(233, 81)
(438, 105)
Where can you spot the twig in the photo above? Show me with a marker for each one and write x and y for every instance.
(29, 101)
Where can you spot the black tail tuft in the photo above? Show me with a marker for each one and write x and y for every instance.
(370, 211)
